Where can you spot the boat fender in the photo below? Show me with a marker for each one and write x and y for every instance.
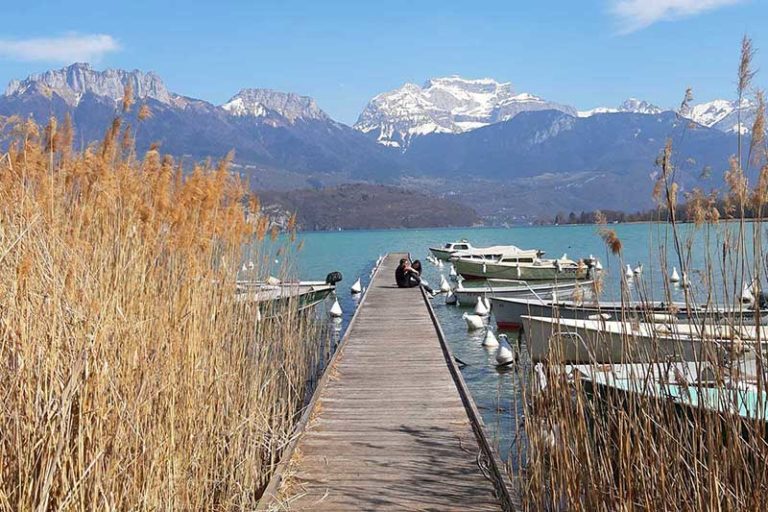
(662, 318)
(333, 278)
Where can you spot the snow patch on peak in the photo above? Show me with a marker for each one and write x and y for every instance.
(238, 107)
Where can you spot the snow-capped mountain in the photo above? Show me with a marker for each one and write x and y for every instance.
(724, 116)
(444, 105)
(75, 81)
(259, 103)
(631, 105)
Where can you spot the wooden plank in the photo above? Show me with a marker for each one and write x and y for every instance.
(390, 430)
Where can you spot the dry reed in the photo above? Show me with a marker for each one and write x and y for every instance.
(131, 377)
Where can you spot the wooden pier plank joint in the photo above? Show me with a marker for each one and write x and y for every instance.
(391, 426)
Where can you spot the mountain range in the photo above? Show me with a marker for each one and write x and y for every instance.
(511, 156)
(458, 105)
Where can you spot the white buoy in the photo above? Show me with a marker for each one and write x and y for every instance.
(638, 269)
(251, 266)
(451, 299)
(675, 277)
(452, 275)
(628, 272)
(445, 287)
(357, 287)
(746, 295)
(490, 339)
(244, 268)
(480, 309)
(598, 265)
(504, 354)
(440, 263)
(335, 310)
(474, 322)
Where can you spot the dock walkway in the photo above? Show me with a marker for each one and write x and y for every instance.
(390, 427)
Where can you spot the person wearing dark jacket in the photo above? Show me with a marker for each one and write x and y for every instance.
(406, 276)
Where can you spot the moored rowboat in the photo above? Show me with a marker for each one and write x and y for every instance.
(518, 289)
(535, 270)
(567, 340)
(509, 310)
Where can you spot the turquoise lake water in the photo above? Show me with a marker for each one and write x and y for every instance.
(496, 393)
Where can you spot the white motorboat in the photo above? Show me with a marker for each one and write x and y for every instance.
(526, 268)
(464, 249)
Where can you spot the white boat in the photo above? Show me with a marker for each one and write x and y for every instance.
(567, 340)
(509, 310)
(464, 249)
(307, 293)
(517, 289)
(528, 268)
(445, 252)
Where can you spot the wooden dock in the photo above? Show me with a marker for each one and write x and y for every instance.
(391, 426)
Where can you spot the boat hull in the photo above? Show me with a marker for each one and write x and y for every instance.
(484, 270)
(509, 311)
(555, 343)
(277, 297)
(469, 295)
(441, 254)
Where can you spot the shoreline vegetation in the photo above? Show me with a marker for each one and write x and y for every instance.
(131, 376)
(658, 443)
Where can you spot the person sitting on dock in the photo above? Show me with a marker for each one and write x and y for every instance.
(407, 276)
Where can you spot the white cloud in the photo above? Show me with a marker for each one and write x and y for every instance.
(67, 48)
(637, 14)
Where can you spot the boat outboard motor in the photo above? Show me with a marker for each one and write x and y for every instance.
(333, 278)
(590, 264)
(762, 300)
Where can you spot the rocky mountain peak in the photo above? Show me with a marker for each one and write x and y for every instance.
(258, 103)
(637, 106)
(72, 82)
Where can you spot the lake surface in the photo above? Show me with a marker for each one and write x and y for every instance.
(496, 393)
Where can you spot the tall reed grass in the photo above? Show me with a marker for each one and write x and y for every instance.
(131, 377)
(584, 447)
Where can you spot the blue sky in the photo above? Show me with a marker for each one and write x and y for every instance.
(584, 53)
